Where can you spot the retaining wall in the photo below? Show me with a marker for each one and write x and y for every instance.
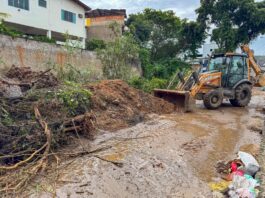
(40, 56)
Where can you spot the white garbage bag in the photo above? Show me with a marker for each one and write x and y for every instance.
(251, 164)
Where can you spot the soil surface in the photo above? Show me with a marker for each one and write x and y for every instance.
(171, 155)
(116, 105)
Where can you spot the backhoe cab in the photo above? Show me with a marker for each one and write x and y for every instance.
(228, 76)
(231, 76)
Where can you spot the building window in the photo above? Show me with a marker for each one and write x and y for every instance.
(43, 3)
(68, 16)
(23, 4)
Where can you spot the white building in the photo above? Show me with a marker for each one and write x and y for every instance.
(53, 18)
(209, 48)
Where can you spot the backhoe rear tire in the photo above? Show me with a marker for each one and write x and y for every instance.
(243, 95)
(213, 99)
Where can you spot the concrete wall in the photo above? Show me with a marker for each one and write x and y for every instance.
(47, 18)
(40, 56)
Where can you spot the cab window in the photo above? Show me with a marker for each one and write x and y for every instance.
(216, 63)
(238, 65)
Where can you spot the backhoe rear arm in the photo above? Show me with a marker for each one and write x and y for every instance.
(252, 62)
(260, 75)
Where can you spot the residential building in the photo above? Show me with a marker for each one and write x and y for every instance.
(53, 18)
(209, 48)
(105, 24)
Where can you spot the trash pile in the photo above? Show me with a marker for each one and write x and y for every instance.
(239, 177)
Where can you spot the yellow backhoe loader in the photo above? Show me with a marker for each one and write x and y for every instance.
(229, 75)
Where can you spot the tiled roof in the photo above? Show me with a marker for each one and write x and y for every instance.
(104, 12)
(87, 8)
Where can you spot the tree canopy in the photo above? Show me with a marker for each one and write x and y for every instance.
(165, 34)
(234, 22)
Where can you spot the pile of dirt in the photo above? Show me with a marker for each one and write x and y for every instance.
(116, 105)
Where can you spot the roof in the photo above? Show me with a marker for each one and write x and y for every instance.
(87, 8)
(235, 54)
(228, 54)
(104, 12)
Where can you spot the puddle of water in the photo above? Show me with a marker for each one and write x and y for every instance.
(222, 130)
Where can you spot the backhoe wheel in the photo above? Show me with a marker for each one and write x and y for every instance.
(242, 96)
(213, 99)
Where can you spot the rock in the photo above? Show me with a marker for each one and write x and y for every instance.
(10, 91)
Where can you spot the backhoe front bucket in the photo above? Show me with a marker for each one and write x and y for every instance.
(181, 99)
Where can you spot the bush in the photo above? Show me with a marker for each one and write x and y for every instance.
(117, 57)
(44, 39)
(95, 44)
(137, 82)
(164, 68)
(148, 85)
(75, 98)
(9, 31)
(154, 83)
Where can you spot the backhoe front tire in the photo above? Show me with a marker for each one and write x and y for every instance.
(213, 99)
(243, 95)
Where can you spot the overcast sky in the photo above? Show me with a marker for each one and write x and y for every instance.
(182, 8)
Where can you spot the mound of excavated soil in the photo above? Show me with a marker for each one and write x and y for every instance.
(117, 105)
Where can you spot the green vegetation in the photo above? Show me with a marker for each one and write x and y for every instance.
(69, 72)
(66, 71)
(95, 44)
(5, 117)
(148, 85)
(6, 30)
(74, 98)
(236, 21)
(162, 37)
(117, 56)
(165, 34)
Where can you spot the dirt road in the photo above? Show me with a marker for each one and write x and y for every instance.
(167, 156)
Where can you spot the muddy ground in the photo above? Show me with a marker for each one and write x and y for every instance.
(172, 155)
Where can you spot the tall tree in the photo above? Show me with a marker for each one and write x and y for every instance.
(165, 34)
(234, 21)
(191, 38)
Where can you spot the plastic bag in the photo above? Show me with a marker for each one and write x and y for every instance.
(251, 164)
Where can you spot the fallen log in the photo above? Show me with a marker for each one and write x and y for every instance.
(84, 124)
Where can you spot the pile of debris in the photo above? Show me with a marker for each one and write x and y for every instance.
(116, 105)
(31, 126)
(239, 177)
(21, 79)
(35, 123)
